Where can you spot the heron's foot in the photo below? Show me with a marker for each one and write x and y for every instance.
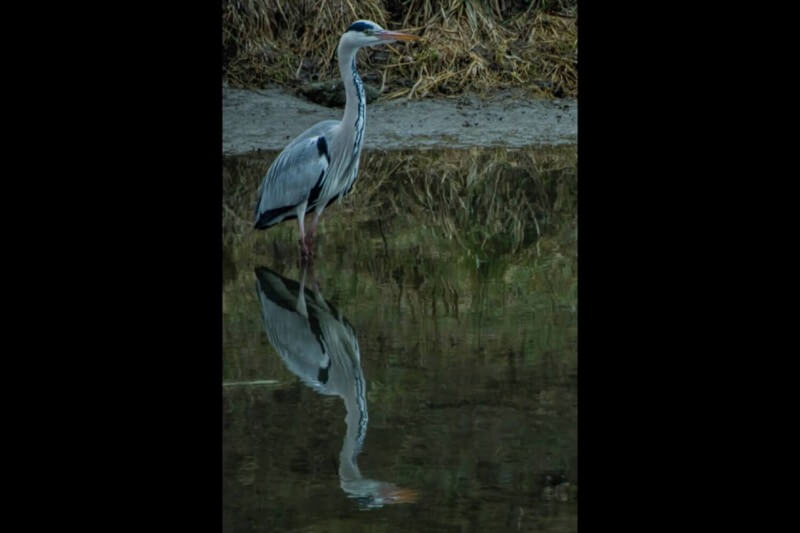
(306, 254)
(307, 245)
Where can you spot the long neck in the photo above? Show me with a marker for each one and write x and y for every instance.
(355, 110)
(356, 422)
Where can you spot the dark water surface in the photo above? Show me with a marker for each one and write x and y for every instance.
(409, 382)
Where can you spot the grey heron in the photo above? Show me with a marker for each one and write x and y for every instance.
(321, 164)
(319, 346)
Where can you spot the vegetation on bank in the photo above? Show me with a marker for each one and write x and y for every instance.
(489, 202)
(467, 45)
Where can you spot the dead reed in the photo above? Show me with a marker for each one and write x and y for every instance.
(492, 201)
(488, 201)
(469, 45)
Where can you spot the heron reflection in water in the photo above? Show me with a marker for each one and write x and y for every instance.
(320, 347)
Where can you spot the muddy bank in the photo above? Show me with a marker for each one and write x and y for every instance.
(267, 119)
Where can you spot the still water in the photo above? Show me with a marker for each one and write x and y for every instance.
(407, 382)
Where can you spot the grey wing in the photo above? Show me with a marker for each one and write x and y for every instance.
(291, 333)
(294, 175)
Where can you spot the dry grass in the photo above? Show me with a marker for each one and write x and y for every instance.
(279, 41)
(489, 201)
(468, 45)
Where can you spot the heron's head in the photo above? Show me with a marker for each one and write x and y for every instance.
(367, 33)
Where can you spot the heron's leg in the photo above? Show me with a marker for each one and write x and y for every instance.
(314, 284)
(301, 295)
(313, 227)
(301, 216)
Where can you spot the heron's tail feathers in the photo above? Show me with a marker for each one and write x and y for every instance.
(273, 216)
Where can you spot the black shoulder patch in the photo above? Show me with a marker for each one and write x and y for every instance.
(322, 374)
(316, 329)
(315, 190)
(322, 147)
(359, 26)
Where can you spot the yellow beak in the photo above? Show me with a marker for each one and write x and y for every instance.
(396, 36)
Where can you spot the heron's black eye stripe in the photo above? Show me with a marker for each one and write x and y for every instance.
(360, 26)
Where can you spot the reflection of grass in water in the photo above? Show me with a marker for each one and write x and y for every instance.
(433, 298)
